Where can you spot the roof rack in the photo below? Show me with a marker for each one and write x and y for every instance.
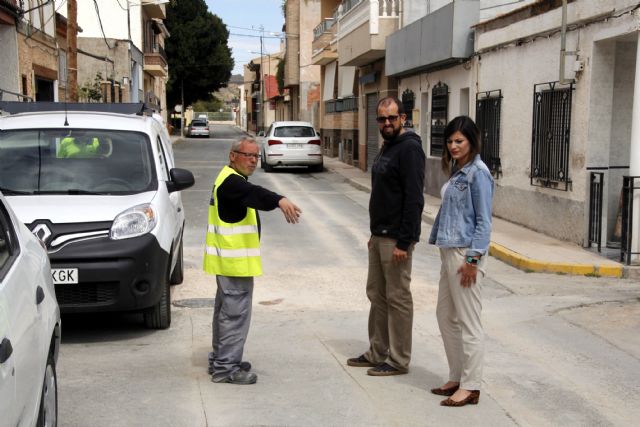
(15, 107)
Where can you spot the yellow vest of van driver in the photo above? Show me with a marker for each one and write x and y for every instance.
(232, 249)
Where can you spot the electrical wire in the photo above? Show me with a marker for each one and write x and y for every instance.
(104, 36)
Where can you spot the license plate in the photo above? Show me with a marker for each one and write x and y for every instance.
(294, 145)
(64, 275)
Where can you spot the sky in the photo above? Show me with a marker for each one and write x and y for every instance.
(243, 19)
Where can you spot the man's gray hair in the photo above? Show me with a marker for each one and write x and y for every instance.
(235, 145)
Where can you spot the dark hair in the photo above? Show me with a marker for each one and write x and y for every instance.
(468, 128)
(388, 100)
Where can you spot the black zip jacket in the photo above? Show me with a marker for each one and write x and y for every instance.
(397, 182)
(236, 194)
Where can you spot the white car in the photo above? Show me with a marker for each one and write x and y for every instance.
(291, 144)
(29, 328)
(101, 190)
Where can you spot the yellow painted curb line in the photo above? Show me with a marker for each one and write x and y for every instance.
(528, 264)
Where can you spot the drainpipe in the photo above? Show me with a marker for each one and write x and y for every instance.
(634, 154)
(563, 45)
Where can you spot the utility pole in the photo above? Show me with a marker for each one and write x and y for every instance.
(262, 112)
(72, 54)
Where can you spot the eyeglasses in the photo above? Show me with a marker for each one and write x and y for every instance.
(248, 155)
(383, 119)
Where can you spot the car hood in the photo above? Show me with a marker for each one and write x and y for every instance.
(74, 208)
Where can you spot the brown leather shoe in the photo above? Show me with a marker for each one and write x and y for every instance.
(360, 362)
(472, 399)
(445, 391)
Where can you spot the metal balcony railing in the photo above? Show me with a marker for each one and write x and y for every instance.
(323, 27)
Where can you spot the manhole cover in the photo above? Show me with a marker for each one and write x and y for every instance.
(195, 302)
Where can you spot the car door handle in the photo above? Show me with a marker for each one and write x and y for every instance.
(6, 349)
(39, 295)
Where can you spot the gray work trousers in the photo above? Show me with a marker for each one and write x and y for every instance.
(231, 319)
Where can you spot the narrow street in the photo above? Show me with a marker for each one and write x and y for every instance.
(560, 350)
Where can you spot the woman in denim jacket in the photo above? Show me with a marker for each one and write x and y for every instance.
(461, 231)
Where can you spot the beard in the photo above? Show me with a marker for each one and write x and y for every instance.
(390, 133)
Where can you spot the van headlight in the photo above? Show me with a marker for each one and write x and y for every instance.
(133, 222)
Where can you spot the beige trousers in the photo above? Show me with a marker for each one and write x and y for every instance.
(391, 314)
(458, 314)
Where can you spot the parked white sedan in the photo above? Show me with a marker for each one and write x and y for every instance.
(29, 328)
(291, 144)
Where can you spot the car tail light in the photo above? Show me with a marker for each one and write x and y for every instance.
(314, 142)
(274, 142)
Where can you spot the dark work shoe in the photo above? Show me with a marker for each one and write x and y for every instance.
(360, 362)
(238, 377)
(384, 370)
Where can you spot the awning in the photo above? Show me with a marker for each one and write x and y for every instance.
(346, 76)
(329, 81)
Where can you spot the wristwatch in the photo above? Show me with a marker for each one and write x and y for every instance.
(472, 260)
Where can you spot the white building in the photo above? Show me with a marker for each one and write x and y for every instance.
(543, 133)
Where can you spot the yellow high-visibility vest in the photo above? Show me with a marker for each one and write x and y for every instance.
(232, 249)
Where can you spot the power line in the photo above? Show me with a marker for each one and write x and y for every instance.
(104, 36)
(264, 37)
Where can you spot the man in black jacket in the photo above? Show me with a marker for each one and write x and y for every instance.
(395, 214)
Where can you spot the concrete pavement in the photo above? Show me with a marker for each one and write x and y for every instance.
(513, 244)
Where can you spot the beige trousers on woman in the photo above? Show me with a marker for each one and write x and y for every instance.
(458, 315)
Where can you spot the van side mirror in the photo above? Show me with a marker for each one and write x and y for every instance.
(180, 180)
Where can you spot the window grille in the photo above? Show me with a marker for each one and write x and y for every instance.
(551, 136)
(488, 120)
(439, 107)
(408, 102)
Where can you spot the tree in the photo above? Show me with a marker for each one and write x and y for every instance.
(198, 54)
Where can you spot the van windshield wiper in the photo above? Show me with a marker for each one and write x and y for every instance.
(10, 192)
(71, 191)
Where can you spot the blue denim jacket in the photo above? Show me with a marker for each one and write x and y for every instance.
(464, 218)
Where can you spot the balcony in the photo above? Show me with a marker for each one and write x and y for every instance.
(440, 39)
(363, 26)
(323, 47)
(8, 12)
(155, 61)
(154, 8)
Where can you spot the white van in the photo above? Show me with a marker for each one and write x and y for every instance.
(101, 190)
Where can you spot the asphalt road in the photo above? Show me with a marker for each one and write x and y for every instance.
(561, 350)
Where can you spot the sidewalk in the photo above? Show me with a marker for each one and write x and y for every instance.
(513, 244)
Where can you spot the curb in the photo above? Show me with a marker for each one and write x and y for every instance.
(527, 264)
(531, 265)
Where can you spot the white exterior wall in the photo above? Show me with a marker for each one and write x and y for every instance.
(600, 116)
(309, 73)
(458, 79)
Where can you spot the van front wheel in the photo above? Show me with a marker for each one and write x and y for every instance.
(159, 316)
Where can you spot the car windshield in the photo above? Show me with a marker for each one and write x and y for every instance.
(75, 161)
(294, 132)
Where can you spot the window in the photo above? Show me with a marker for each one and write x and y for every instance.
(551, 136)
(439, 113)
(8, 242)
(408, 102)
(294, 132)
(488, 121)
(75, 161)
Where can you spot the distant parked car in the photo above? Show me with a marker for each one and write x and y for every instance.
(291, 144)
(29, 327)
(97, 183)
(198, 127)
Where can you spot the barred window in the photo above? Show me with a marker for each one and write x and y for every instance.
(488, 120)
(439, 113)
(551, 136)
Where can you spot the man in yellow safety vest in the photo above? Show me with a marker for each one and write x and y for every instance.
(232, 254)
